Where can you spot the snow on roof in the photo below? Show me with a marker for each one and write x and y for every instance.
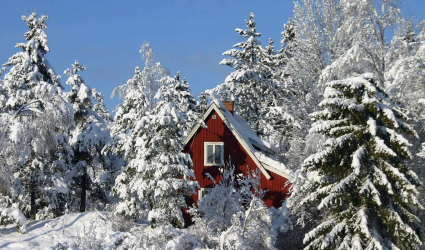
(261, 149)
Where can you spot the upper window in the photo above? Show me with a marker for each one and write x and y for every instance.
(214, 153)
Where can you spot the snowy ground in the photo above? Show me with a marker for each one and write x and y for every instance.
(42, 234)
(47, 233)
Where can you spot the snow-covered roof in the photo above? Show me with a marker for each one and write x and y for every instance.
(259, 150)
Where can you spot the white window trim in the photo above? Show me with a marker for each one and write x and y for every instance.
(201, 191)
(206, 156)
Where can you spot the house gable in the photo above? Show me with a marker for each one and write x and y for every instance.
(215, 110)
(218, 131)
(255, 148)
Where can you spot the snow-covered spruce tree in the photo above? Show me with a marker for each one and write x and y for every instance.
(88, 138)
(100, 107)
(202, 105)
(183, 100)
(135, 106)
(366, 193)
(256, 87)
(167, 172)
(37, 148)
(157, 177)
(250, 83)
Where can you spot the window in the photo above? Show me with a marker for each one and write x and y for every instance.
(214, 153)
(202, 192)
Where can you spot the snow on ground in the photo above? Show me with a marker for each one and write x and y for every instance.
(48, 233)
(41, 234)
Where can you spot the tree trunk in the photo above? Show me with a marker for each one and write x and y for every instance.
(83, 191)
(33, 205)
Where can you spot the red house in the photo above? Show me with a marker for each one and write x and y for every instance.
(228, 136)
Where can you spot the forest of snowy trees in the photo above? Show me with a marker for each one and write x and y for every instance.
(342, 98)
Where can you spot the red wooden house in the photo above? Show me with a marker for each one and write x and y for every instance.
(228, 136)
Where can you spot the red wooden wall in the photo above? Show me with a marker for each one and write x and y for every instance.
(217, 131)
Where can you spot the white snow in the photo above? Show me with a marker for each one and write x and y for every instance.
(43, 234)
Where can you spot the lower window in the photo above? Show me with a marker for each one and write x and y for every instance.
(202, 192)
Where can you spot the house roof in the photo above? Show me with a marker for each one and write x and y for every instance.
(258, 149)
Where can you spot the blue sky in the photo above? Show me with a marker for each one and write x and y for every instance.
(187, 36)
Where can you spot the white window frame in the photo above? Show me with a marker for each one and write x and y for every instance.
(202, 191)
(206, 153)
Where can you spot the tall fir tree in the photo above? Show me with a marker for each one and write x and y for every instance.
(366, 192)
(135, 106)
(37, 147)
(87, 140)
(124, 144)
(160, 175)
(250, 85)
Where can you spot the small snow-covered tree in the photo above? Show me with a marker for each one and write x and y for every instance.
(217, 207)
(100, 107)
(366, 193)
(203, 103)
(88, 138)
(232, 214)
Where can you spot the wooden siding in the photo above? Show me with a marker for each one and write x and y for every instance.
(217, 131)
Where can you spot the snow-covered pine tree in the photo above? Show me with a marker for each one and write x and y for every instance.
(365, 191)
(288, 42)
(203, 103)
(167, 172)
(100, 107)
(250, 83)
(158, 177)
(261, 97)
(183, 87)
(183, 100)
(39, 118)
(125, 142)
(134, 107)
(138, 95)
(87, 140)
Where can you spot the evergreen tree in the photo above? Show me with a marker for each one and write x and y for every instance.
(125, 141)
(100, 107)
(202, 105)
(251, 84)
(134, 107)
(182, 86)
(366, 193)
(157, 177)
(88, 138)
(37, 148)
(184, 101)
